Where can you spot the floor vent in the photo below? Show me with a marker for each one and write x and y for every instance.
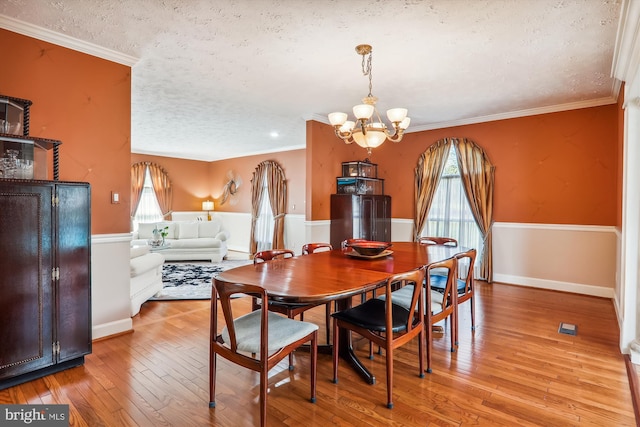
(568, 329)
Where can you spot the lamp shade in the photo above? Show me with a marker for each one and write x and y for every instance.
(396, 115)
(337, 119)
(207, 206)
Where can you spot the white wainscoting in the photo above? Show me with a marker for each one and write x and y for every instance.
(572, 258)
(110, 301)
(578, 259)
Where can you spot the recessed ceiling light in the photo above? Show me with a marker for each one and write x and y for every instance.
(274, 134)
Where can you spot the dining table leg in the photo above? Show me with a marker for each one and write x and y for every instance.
(346, 348)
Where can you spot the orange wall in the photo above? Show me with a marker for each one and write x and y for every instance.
(559, 168)
(85, 102)
(194, 181)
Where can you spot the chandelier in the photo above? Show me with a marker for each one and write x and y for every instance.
(368, 131)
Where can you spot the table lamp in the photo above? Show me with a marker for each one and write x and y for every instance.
(207, 206)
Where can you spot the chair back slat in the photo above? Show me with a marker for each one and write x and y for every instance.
(449, 241)
(270, 254)
(450, 266)
(468, 260)
(415, 313)
(310, 248)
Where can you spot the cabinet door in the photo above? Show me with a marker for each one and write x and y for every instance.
(382, 224)
(26, 289)
(342, 218)
(73, 237)
(375, 217)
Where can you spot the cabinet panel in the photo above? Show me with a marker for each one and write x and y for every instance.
(26, 290)
(361, 217)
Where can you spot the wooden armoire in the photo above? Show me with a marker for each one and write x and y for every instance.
(45, 278)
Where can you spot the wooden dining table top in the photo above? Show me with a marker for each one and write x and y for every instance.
(331, 275)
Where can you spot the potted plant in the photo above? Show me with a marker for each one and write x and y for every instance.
(159, 234)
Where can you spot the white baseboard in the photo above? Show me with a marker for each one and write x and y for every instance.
(112, 328)
(577, 288)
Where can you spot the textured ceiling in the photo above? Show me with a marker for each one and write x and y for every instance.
(214, 79)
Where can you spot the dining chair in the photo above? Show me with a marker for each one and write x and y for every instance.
(288, 309)
(386, 323)
(449, 241)
(271, 336)
(310, 248)
(442, 305)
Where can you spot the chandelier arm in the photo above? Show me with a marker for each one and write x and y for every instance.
(397, 137)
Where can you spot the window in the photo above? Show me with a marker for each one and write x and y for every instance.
(148, 208)
(450, 214)
(264, 222)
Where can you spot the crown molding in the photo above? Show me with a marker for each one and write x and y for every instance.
(494, 117)
(626, 56)
(516, 114)
(63, 40)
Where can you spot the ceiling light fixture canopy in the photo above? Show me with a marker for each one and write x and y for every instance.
(368, 131)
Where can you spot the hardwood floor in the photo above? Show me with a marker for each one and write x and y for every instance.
(516, 369)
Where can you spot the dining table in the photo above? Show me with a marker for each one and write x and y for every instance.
(337, 275)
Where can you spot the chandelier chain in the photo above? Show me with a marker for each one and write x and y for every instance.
(367, 70)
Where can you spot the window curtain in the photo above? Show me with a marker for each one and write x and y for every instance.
(138, 171)
(161, 187)
(427, 176)
(277, 188)
(477, 174)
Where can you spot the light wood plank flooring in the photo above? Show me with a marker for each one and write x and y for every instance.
(516, 369)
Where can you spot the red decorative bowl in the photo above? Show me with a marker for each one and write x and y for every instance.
(369, 247)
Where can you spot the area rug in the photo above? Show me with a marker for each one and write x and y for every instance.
(186, 281)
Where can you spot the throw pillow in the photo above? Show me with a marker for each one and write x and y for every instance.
(188, 230)
(208, 228)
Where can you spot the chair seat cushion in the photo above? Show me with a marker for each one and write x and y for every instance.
(282, 331)
(371, 315)
(439, 282)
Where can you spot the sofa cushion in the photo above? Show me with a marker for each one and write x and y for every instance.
(208, 228)
(142, 264)
(198, 243)
(187, 230)
(137, 251)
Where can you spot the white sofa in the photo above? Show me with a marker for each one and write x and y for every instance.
(146, 276)
(187, 240)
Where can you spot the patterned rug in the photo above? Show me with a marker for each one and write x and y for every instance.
(185, 281)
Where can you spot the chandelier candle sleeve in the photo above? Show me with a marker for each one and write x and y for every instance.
(368, 131)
